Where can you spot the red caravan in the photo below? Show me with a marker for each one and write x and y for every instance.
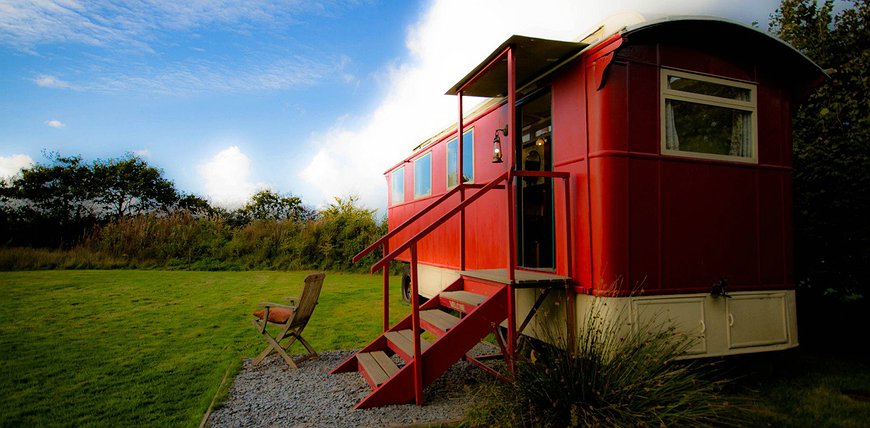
(648, 164)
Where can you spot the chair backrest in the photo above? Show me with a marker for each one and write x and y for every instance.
(308, 299)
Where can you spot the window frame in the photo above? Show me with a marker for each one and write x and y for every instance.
(447, 159)
(750, 106)
(428, 155)
(393, 193)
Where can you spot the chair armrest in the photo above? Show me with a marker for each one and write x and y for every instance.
(294, 301)
(275, 305)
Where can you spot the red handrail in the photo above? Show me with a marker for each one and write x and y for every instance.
(401, 248)
(412, 219)
(404, 224)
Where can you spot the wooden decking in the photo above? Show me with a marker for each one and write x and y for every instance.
(522, 278)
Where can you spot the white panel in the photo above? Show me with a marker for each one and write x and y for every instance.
(685, 314)
(757, 320)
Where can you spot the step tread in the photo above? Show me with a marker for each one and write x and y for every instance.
(372, 368)
(466, 297)
(440, 319)
(404, 339)
(386, 363)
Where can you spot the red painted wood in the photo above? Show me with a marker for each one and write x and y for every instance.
(637, 218)
(386, 290)
(442, 354)
(415, 322)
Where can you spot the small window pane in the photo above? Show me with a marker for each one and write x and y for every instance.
(423, 176)
(467, 159)
(452, 160)
(398, 185)
(708, 88)
(700, 128)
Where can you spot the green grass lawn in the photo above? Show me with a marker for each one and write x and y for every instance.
(134, 348)
(804, 387)
(122, 348)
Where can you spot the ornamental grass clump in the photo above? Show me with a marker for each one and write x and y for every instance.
(616, 375)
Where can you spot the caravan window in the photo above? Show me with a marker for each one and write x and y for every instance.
(708, 117)
(423, 176)
(397, 186)
(467, 159)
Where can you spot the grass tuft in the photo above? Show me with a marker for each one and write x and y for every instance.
(616, 375)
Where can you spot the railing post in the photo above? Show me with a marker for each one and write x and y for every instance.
(570, 301)
(461, 182)
(386, 288)
(511, 164)
(415, 328)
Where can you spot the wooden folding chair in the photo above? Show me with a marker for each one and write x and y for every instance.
(292, 319)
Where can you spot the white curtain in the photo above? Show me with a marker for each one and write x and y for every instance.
(741, 134)
(672, 140)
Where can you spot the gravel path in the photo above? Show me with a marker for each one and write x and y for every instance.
(273, 395)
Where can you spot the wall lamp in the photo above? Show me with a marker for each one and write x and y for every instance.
(496, 144)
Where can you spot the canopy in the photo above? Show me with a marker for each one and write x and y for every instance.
(534, 56)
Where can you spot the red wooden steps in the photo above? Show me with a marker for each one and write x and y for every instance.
(437, 321)
(462, 301)
(480, 310)
(376, 367)
(402, 343)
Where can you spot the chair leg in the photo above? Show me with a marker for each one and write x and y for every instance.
(277, 347)
(274, 345)
(311, 352)
(263, 355)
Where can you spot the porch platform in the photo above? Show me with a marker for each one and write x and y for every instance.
(522, 278)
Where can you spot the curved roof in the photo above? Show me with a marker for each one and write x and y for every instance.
(725, 35)
(536, 56)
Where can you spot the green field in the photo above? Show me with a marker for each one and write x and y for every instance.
(134, 348)
(137, 348)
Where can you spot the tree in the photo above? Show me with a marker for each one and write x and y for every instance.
(269, 205)
(199, 207)
(832, 147)
(129, 186)
(60, 190)
(48, 204)
(56, 203)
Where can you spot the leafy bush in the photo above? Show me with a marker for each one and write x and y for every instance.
(616, 375)
(185, 240)
(343, 230)
(178, 238)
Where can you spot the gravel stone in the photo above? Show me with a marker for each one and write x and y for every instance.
(272, 394)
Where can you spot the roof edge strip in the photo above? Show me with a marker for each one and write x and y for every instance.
(639, 27)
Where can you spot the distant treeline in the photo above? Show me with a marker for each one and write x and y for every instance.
(122, 213)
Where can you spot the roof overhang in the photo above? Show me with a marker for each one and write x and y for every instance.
(534, 56)
(722, 35)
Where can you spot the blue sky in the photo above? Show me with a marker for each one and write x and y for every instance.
(314, 98)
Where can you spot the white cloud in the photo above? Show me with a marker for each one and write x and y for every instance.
(227, 178)
(270, 74)
(142, 153)
(121, 32)
(105, 23)
(55, 124)
(445, 43)
(11, 165)
(47, 81)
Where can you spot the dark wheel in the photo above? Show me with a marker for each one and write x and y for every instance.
(406, 285)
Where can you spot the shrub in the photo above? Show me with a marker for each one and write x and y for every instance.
(616, 375)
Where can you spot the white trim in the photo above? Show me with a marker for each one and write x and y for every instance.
(750, 106)
(447, 159)
(393, 200)
(418, 159)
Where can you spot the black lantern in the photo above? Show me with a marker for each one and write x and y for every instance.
(496, 144)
